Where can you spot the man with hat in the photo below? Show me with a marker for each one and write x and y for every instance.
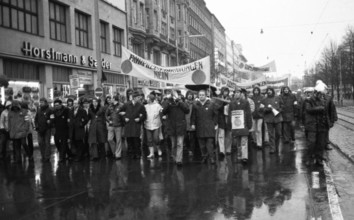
(115, 127)
(42, 123)
(60, 122)
(134, 117)
(240, 122)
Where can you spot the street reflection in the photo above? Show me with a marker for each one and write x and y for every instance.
(150, 189)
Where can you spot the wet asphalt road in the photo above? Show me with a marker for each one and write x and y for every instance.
(270, 187)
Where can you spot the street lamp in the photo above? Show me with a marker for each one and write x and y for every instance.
(189, 36)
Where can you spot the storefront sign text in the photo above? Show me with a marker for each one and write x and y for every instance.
(52, 54)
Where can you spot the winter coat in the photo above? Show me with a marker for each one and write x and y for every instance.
(289, 108)
(332, 111)
(98, 129)
(240, 104)
(277, 103)
(222, 106)
(257, 99)
(317, 114)
(175, 111)
(77, 124)
(42, 118)
(133, 128)
(61, 123)
(299, 107)
(4, 120)
(153, 120)
(19, 125)
(205, 118)
(189, 115)
(113, 116)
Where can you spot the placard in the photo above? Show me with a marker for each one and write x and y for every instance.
(237, 119)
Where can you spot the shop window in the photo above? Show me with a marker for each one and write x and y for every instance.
(115, 79)
(118, 36)
(20, 15)
(61, 74)
(138, 49)
(57, 21)
(16, 70)
(81, 29)
(61, 90)
(104, 36)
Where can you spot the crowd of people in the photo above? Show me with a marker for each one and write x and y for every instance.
(203, 124)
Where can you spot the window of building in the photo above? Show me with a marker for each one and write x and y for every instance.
(135, 12)
(164, 28)
(179, 12)
(164, 59)
(138, 49)
(141, 14)
(156, 21)
(172, 33)
(147, 14)
(81, 29)
(57, 22)
(104, 36)
(118, 41)
(156, 57)
(20, 15)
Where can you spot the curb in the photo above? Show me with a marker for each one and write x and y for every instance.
(342, 152)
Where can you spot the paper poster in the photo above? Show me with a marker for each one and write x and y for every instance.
(226, 109)
(237, 119)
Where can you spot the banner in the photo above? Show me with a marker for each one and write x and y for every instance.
(262, 82)
(197, 72)
(246, 68)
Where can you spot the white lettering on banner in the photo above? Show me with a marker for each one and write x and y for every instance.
(237, 119)
(197, 72)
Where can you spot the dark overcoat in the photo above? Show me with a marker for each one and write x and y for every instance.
(77, 124)
(240, 104)
(277, 103)
(289, 109)
(317, 115)
(133, 111)
(205, 118)
(60, 123)
(98, 129)
(176, 124)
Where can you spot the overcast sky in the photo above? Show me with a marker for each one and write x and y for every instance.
(287, 26)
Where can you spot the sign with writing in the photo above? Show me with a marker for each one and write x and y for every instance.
(197, 72)
(237, 119)
(54, 55)
(74, 81)
(85, 77)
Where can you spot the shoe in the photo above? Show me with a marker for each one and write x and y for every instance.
(328, 147)
(179, 164)
(244, 161)
(117, 158)
(272, 152)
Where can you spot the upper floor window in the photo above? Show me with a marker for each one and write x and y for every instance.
(20, 15)
(57, 21)
(104, 35)
(81, 29)
(118, 41)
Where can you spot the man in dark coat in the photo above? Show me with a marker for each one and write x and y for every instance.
(135, 115)
(78, 119)
(224, 133)
(43, 127)
(60, 122)
(175, 110)
(317, 123)
(115, 127)
(289, 109)
(205, 122)
(19, 126)
(240, 122)
(257, 116)
(273, 106)
(191, 138)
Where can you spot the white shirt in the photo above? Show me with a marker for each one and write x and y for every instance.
(153, 120)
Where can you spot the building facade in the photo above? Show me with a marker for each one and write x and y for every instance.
(219, 48)
(229, 70)
(46, 43)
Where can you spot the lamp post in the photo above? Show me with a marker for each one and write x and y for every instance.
(189, 36)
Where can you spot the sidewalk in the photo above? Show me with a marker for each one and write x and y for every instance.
(343, 138)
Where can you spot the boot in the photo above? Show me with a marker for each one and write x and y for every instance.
(159, 151)
(151, 155)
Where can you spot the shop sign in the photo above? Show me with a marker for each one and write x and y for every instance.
(74, 81)
(85, 78)
(52, 54)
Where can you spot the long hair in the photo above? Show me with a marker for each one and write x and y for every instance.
(93, 109)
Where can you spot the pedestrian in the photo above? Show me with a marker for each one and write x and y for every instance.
(191, 138)
(98, 130)
(257, 117)
(240, 118)
(4, 129)
(135, 115)
(43, 124)
(317, 124)
(115, 127)
(288, 114)
(205, 122)
(61, 136)
(70, 103)
(86, 107)
(298, 115)
(78, 120)
(31, 112)
(175, 110)
(273, 106)
(224, 133)
(152, 125)
(19, 126)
